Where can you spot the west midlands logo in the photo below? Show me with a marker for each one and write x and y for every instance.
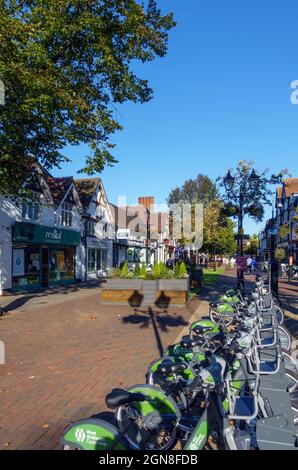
(80, 435)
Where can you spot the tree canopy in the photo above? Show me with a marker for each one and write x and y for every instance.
(199, 190)
(64, 64)
(254, 197)
(218, 229)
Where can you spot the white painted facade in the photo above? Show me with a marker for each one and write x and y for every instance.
(96, 250)
(11, 212)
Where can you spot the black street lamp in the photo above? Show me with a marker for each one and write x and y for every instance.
(229, 184)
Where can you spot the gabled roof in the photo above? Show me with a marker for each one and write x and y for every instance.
(290, 186)
(86, 188)
(58, 187)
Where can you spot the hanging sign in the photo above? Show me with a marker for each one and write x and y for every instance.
(242, 263)
(18, 263)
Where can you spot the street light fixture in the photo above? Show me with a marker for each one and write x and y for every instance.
(253, 179)
(229, 181)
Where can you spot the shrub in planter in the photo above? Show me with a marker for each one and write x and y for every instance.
(116, 273)
(182, 271)
(124, 271)
(137, 270)
(143, 271)
(176, 271)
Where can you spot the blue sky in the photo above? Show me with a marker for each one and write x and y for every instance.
(222, 94)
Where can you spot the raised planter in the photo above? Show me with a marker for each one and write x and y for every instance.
(137, 292)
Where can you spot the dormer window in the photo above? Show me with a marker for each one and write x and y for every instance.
(90, 228)
(67, 214)
(30, 210)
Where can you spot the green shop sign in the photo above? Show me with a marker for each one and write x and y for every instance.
(32, 233)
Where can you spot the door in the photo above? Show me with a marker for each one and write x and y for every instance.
(45, 267)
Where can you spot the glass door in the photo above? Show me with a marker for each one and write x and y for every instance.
(44, 266)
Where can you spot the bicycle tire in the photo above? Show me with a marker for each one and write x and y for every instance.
(285, 337)
(220, 319)
(292, 380)
(290, 362)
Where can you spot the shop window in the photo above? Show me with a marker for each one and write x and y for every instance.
(61, 264)
(67, 214)
(30, 210)
(91, 260)
(26, 266)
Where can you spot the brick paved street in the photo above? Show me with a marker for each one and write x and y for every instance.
(289, 298)
(65, 354)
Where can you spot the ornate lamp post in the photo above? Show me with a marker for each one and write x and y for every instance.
(240, 196)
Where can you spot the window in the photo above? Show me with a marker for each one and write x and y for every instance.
(30, 210)
(61, 264)
(90, 228)
(26, 266)
(91, 260)
(67, 214)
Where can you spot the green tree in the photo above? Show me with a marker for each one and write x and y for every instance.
(254, 197)
(252, 246)
(219, 234)
(199, 190)
(64, 64)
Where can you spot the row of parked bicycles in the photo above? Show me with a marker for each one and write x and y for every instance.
(231, 383)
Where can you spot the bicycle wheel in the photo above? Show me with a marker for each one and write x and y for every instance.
(292, 380)
(290, 362)
(150, 424)
(284, 337)
(220, 319)
(280, 316)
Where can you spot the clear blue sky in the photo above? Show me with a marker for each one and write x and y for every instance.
(220, 95)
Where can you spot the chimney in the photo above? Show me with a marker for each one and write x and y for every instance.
(146, 201)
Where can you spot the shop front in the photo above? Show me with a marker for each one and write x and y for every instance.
(99, 253)
(42, 256)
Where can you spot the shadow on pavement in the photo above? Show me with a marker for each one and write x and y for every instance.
(160, 322)
(21, 300)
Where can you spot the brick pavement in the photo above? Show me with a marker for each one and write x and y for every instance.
(64, 355)
(288, 292)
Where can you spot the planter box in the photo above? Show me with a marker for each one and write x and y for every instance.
(116, 284)
(136, 292)
(173, 284)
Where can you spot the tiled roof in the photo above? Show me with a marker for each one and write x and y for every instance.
(291, 186)
(58, 187)
(86, 188)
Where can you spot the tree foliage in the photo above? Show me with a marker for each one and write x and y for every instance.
(252, 247)
(65, 63)
(254, 197)
(218, 230)
(199, 190)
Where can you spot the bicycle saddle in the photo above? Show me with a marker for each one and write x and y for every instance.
(118, 397)
(200, 330)
(214, 304)
(167, 367)
(188, 343)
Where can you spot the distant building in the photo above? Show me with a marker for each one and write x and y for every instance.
(285, 220)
